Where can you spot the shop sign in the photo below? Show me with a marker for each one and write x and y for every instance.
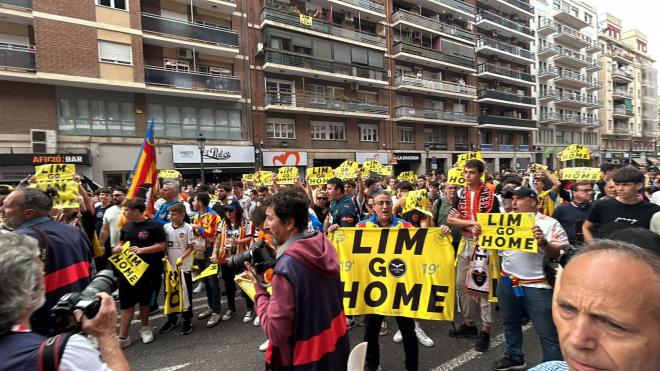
(29, 159)
(362, 157)
(189, 154)
(407, 157)
(285, 158)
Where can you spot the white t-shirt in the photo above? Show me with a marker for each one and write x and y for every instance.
(178, 240)
(245, 203)
(111, 218)
(80, 355)
(655, 197)
(529, 266)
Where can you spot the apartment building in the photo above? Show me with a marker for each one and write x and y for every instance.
(567, 71)
(629, 96)
(80, 79)
(505, 82)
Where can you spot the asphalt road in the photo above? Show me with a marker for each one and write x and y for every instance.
(233, 345)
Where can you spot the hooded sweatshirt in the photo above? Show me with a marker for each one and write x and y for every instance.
(307, 261)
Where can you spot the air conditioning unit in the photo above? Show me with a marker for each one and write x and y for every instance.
(43, 141)
(185, 53)
(349, 17)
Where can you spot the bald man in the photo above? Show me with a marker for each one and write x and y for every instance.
(606, 308)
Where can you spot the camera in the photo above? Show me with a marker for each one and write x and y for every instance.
(260, 256)
(86, 300)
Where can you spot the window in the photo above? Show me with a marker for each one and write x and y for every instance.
(545, 136)
(80, 115)
(117, 4)
(281, 128)
(176, 65)
(115, 53)
(428, 135)
(279, 92)
(322, 130)
(406, 134)
(461, 138)
(369, 133)
(591, 139)
(588, 18)
(178, 119)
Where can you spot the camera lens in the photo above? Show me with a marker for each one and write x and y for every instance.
(104, 281)
(236, 263)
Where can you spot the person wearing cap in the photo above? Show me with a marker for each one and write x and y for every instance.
(523, 286)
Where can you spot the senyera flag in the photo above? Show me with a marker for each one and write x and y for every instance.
(143, 182)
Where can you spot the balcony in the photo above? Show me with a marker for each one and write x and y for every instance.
(15, 57)
(510, 75)
(621, 75)
(504, 51)
(593, 84)
(577, 100)
(577, 120)
(457, 8)
(573, 38)
(411, 114)
(368, 9)
(576, 60)
(523, 147)
(173, 33)
(549, 117)
(417, 54)
(548, 95)
(548, 50)
(316, 104)
(420, 22)
(280, 17)
(547, 27)
(487, 147)
(503, 98)
(573, 79)
(521, 8)
(296, 64)
(439, 88)
(622, 112)
(506, 148)
(564, 15)
(546, 73)
(621, 128)
(507, 122)
(195, 83)
(24, 4)
(504, 27)
(621, 94)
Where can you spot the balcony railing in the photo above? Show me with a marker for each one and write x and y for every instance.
(504, 22)
(189, 30)
(578, 119)
(548, 117)
(503, 71)
(622, 73)
(319, 101)
(435, 85)
(15, 56)
(366, 4)
(575, 34)
(484, 41)
(622, 110)
(506, 147)
(404, 15)
(580, 98)
(622, 93)
(191, 80)
(548, 71)
(548, 93)
(506, 121)
(579, 57)
(520, 4)
(523, 147)
(280, 16)
(318, 65)
(502, 95)
(548, 23)
(431, 114)
(572, 75)
(403, 47)
(460, 5)
(27, 4)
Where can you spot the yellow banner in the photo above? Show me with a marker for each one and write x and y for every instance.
(248, 287)
(386, 170)
(455, 176)
(580, 173)
(305, 20)
(511, 231)
(397, 272)
(168, 174)
(407, 176)
(465, 157)
(174, 293)
(348, 170)
(209, 271)
(319, 175)
(540, 167)
(264, 178)
(60, 177)
(287, 175)
(129, 264)
(247, 178)
(417, 200)
(575, 152)
(371, 166)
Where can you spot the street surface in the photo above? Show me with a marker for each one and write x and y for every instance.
(232, 345)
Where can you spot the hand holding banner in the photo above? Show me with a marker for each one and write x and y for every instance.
(575, 152)
(319, 175)
(511, 231)
(581, 173)
(129, 264)
(348, 170)
(60, 177)
(174, 293)
(371, 166)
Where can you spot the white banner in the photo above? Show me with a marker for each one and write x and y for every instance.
(362, 157)
(285, 158)
(189, 154)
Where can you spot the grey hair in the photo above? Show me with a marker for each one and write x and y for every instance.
(21, 277)
(173, 185)
(635, 252)
(381, 192)
(37, 199)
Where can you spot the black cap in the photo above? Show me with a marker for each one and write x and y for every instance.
(521, 192)
(231, 206)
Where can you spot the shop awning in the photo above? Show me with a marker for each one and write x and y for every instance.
(653, 160)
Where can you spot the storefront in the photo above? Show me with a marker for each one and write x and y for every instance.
(17, 166)
(381, 157)
(221, 163)
(406, 161)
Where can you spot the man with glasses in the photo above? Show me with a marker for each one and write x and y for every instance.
(572, 215)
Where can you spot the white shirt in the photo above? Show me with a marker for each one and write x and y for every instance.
(178, 240)
(111, 218)
(655, 197)
(80, 355)
(529, 266)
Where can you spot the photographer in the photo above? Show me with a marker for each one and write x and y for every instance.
(22, 293)
(306, 271)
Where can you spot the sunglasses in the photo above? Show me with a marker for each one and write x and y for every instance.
(322, 198)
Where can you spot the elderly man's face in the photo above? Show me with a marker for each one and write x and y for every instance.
(13, 212)
(606, 308)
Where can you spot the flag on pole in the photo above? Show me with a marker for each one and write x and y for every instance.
(143, 182)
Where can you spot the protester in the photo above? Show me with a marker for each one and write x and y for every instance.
(342, 212)
(572, 215)
(223, 195)
(548, 199)
(110, 229)
(23, 292)
(523, 287)
(441, 209)
(242, 199)
(306, 271)
(607, 170)
(609, 324)
(321, 205)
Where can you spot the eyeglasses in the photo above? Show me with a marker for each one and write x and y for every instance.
(370, 205)
(383, 203)
(322, 198)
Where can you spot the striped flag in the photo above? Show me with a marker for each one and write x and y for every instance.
(143, 182)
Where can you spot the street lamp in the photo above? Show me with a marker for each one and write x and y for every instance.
(427, 148)
(201, 143)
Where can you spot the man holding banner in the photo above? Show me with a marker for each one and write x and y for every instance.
(524, 288)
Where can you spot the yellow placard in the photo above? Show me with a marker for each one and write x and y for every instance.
(174, 293)
(319, 175)
(407, 176)
(455, 176)
(287, 175)
(305, 20)
(386, 170)
(465, 157)
(540, 167)
(348, 170)
(371, 166)
(581, 173)
(209, 271)
(264, 178)
(248, 287)
(511, 231)
(417, 200)
(131, 266)
(397, 272)
(247, 178)
(575, 152)
(60, 177)
(168, 174)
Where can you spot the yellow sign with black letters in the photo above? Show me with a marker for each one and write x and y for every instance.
(510, 231)
(348, 170)
(581, 173)
(60, 177)
(264, 178)
(319, 175)
(287, 175)
(168, 174)
(131, 266)
(465, 157)
(407, 176)
(575, 152)
(211, 270)
(175, 299)
(305, 20)
(397, 272)
(455, 176)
